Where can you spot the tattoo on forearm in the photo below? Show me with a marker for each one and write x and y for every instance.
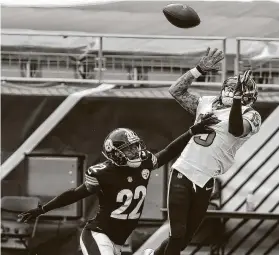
(179, 90)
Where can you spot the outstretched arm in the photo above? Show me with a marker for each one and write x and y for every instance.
(173, 149)
(179, 90)
(176, 147)
(89, 187)
(68, 197)
(239, 126)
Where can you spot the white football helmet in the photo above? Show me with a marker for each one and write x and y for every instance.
(250, 91)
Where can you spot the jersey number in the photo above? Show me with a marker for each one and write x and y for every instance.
(126, 196)
(96, 168)
(209, 137)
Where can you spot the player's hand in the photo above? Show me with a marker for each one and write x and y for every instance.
(210, 61)
(241, 83)
(202, 127)
(31, 214)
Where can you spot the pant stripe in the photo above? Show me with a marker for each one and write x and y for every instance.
(168, 195)
(88, 244)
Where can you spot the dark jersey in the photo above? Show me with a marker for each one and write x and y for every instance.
(121, 192)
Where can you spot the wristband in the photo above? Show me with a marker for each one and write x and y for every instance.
(200, 70)
(195, 72)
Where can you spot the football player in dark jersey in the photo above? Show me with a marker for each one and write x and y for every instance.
(121, 184)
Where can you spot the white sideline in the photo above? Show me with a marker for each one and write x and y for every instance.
(37, 136)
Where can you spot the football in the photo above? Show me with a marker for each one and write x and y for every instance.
(182, 16)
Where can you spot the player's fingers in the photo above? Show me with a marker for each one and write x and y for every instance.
(207, 115)
(212, 52)
(216, 67)
(23, 217)
(246, 75)
(207, 130)
(207, 118)
(212, 121)
(209, 121)
(217, 54)
(238, 79)
(207, 51)
(28, 218)
(239, 83)
(219, 57)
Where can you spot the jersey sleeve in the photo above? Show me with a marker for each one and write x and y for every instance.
(254, 119)
(91, 177)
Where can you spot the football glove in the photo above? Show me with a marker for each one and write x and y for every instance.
(31, 214)
(202, 127)
(241, 83)
(210, 60)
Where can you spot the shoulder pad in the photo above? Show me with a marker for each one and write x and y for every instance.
(254, 118)
(93, 175)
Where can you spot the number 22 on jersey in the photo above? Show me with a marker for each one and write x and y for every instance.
(126, 197)
(209, 137)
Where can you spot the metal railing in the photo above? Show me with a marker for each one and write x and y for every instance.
(265, 69)
(101, 64)
(139, 61)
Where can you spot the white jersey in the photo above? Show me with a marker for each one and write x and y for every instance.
(209, 155)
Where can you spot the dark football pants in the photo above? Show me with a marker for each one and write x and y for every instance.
(187, 205)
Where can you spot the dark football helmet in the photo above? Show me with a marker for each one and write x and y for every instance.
(124, 147)
(250, 91)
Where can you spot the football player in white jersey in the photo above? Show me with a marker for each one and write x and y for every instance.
(209, 155)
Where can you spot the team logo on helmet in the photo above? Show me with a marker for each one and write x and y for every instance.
(145, 174)
(108, 145)
(131, 136)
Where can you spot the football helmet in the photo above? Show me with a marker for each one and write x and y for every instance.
(124, 147)
(250, 91)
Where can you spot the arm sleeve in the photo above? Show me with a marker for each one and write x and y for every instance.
(89, 187)
(173, 150)
(66, 198)
(236, 127)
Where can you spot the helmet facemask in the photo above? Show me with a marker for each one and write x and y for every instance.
(133, 154)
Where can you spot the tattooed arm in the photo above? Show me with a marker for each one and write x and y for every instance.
(179, 90)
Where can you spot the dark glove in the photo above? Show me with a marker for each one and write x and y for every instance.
(202, 126)
(241, 83)
(31, 214)
(210, 60)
